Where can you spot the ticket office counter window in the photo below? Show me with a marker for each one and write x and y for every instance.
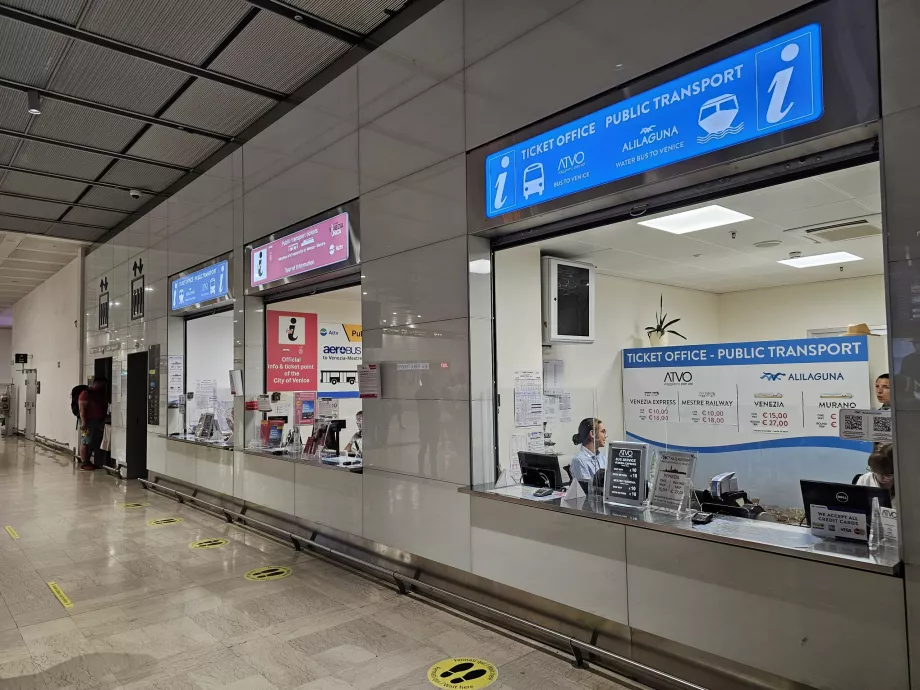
(313, 347)
(208, 361)
(200, 353)
(749, 276)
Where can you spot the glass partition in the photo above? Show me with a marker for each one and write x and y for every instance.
(310, 407)
(703, 352)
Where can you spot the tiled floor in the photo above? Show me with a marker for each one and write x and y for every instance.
(150, 613)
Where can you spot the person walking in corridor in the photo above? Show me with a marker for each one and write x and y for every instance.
(92, 421)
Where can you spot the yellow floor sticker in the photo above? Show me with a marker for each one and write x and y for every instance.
(270, 572)
(163, 521)
(208, 544)
(462, 673)
(133, 505)
(13, 533)
(59, 595)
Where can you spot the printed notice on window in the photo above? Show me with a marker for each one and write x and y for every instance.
(528, 398)
(865, 425)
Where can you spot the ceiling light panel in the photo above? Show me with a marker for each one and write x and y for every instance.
(696, 219)
(821, 260)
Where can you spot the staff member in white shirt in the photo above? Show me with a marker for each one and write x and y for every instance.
(881, 470)
(357, 440)
(592, 435)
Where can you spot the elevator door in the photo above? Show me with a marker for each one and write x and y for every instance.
(31, 398)
(136, 417)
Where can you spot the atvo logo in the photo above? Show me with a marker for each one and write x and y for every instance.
(673, 377)
(567, 163)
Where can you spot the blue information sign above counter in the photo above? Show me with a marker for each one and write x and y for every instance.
(802, 89)
(772, 87)
(203, 285)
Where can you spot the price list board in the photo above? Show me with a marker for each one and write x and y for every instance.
(625, 480)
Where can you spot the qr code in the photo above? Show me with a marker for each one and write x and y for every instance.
(881, 424)
(852, 422)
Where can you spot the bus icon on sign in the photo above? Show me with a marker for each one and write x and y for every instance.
(533, 180)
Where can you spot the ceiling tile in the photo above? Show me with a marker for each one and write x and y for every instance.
(37, 185)
(13, 110)
(45, 258)
(78, 125)
(47, 245)
(8, 223)
(362, 16)
(814, 215)
(67, 11)
(172, 146)
(112, 198)
(104, 76)
(863, 180)
(34, 155)
(91, 216)
(132, 174)
(237, 110)
(187, 30)
(28, 54)
(730, 264)
(30, 207)
(277, 53)
(75, 232)
(791, 196)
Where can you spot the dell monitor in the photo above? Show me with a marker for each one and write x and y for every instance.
(845, 510)
(538, 469)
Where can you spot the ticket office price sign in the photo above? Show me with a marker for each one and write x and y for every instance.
(626, 478)
(673, 479)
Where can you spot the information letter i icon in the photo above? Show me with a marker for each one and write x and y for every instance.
(500, 197)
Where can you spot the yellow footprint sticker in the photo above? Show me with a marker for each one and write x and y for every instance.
(208, 544)
(463, 673)
(13, 533)
(59, 595)
(133, 505)
(163, 521)
(270, 572)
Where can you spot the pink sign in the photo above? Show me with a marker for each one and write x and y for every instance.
(317, 246)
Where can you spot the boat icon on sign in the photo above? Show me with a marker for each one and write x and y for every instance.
(716, 117)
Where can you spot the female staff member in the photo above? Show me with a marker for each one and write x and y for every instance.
(592, 435)
(881, 470)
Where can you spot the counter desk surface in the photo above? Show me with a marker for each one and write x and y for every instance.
(312, 461)
(278, 454)
(787, 540)
(213, 443)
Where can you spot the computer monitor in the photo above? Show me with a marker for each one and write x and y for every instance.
(538, 469)
(842, 498)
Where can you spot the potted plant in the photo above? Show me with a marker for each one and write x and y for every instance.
(658, 335)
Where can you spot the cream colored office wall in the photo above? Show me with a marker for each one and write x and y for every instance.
(623, 309)
(45, 326)
(790, 311)
(518, 331)
(6, 355)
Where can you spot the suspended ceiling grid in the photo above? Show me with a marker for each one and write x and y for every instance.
(146, 95)
(27, 261)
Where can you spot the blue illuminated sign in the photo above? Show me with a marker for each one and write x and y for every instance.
(206, 284)
(774, 86)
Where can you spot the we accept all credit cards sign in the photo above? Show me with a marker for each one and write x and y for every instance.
(774, 86)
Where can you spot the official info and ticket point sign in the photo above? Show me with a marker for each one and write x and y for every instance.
(772, 87)
(768, 410)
